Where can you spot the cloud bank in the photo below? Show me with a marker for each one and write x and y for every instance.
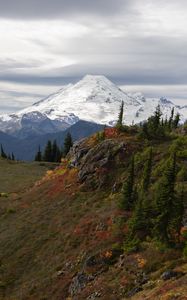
(46, 44)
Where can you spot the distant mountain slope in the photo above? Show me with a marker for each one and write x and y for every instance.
(93, 99)
(8, 142)
(25, 149)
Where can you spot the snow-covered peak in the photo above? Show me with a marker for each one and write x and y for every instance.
(94, 98)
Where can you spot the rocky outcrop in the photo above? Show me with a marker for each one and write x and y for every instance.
(93, 161)
(79, 282)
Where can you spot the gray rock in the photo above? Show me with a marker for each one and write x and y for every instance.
(170, 274)
(94, 296)
(134, 291)
(79, 282)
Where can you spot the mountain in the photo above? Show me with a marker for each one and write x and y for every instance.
(8, 142)
(93, 99)
(25, 149)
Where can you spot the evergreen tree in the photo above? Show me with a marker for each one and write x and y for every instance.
(3, 154)
(147, 172)
(177, 215)
(154, 128)
(68, 143)
(176, 121)
(165, 201)
(170, 123)
(120, 116)
(38, 156)
(156, 118)
(56, 153)
(48, 152)
(128, 195)
(137, 224)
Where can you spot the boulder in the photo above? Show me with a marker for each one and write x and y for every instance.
(79, 282)
(171, 274)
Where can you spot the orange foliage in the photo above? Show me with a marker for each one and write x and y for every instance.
(111, 132)
(141, 261)
(108, 254)
(183, 233)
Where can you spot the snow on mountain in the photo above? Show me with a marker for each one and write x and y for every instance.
(94, 98)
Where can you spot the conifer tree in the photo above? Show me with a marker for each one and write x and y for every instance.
(165, 201)
(127, 200)
(176, 121)
(56, 153)
(147, 172)
(48, 152)
(170, 123)
(120, 116)
(68, 143)
(3, 154)
(157, 117)
(38, 156)
(177, 214)
(137, 223)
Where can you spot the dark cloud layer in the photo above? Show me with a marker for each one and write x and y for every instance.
(59, 8)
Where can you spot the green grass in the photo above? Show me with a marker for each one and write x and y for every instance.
(19, 176)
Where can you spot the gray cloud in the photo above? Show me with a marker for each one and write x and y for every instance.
(59, 8)
(51, 43)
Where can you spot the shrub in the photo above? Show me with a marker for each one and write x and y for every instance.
(131, 245)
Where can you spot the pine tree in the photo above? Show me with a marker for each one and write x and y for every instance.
(157, 117)
(120, 116)
(137, 224)
(56, 153)
(177, 214)
(127, 199)
(68, 143)
(3, 154)
(176, 121)
(48, 152)
(38, 156)
(165, 200)
(170, 123)
(147, 172)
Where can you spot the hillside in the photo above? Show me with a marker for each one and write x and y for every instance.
(67, 237)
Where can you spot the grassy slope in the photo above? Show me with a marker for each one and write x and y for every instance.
(19, 176)
(47, 234)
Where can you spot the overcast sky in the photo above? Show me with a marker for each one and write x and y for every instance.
(44, 44)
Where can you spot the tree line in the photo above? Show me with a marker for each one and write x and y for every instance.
(52, 152)
(4, 155)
